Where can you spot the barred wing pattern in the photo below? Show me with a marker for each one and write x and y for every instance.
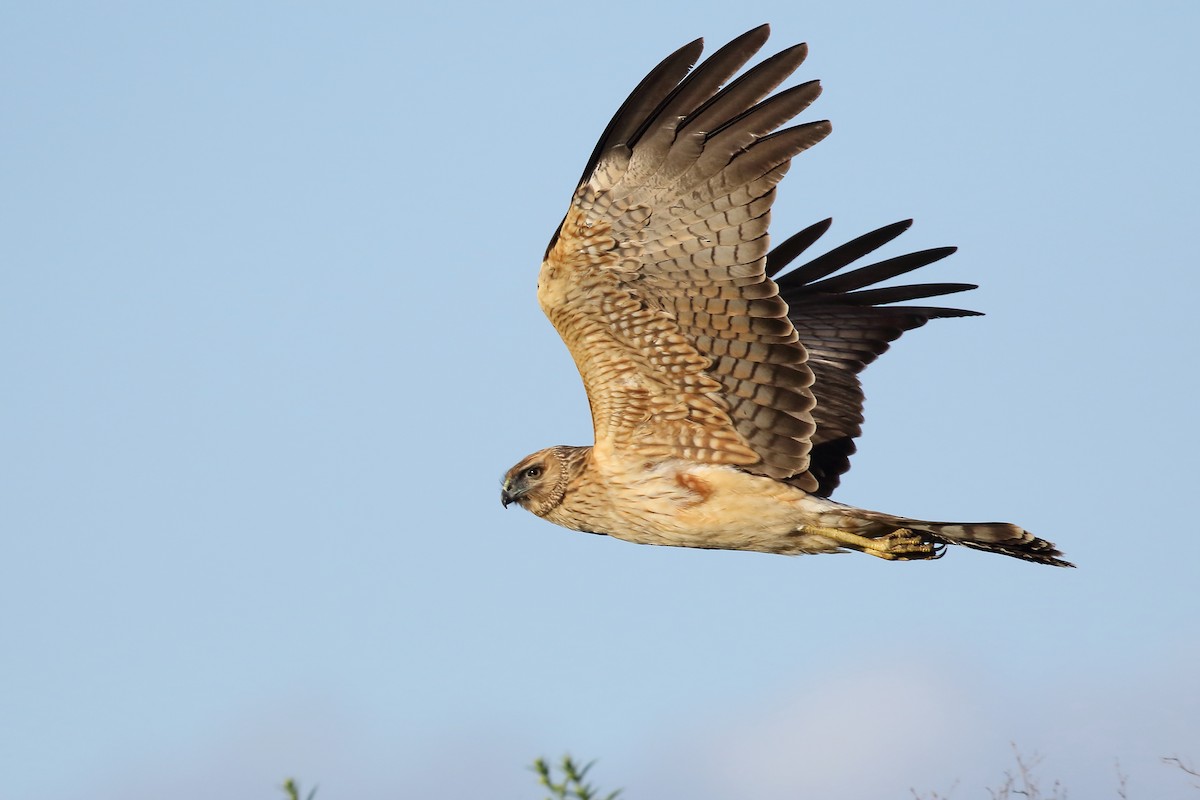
(657, 280)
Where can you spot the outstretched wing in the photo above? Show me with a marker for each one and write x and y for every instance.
(656, 279)
(844, 323)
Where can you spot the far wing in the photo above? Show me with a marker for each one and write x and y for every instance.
(656, 279)
(844, 323)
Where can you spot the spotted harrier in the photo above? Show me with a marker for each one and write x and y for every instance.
(724, 390)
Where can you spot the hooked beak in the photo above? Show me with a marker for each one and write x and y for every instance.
(507, 497)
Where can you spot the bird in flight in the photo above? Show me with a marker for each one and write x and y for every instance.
(724, 390)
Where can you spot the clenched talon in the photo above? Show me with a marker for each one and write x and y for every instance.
(903, 542)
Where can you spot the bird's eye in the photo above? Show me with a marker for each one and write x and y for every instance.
(533, 472)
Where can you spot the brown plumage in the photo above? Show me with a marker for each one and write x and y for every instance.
(725, 402)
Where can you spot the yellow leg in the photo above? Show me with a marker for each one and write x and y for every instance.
(899, 545)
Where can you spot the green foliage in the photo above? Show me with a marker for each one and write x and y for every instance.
(292, 790)
(573, 784)
(568, 781)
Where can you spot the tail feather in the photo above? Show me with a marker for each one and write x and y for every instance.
(996, 537)
(992, 537)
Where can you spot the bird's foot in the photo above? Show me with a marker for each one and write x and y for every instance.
(901, 544)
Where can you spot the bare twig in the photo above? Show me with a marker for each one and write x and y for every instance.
(1186, 767)
(1122, 780)
(934, 795)
(1024, 783)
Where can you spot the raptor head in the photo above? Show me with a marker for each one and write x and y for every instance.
(537, 482)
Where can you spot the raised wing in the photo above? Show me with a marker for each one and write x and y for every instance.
(656, 279)
(844, 323)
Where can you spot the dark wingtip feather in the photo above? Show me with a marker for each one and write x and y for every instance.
(846, 254)
(901, 294)
(847, 320)
(644, 98)
(698, 87)
(809, 286)
(783, 254)
(880, 271)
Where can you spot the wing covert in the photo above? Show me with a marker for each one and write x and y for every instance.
(656, 279)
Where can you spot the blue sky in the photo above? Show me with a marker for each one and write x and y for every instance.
(269, 338)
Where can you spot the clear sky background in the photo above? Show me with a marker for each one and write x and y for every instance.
(268, 338)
